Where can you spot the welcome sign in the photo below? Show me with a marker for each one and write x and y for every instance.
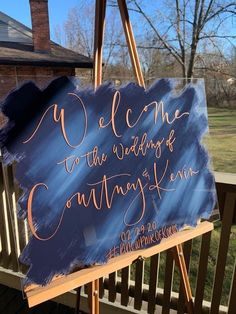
(105, 173)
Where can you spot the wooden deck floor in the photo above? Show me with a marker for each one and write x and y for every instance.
(11, 302)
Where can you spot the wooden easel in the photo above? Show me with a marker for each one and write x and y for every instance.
(100, 13)
(98, 44)
(37, 295)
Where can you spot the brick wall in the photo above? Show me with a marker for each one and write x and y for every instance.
(13, 76)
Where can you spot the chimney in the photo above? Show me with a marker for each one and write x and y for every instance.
(40, 25)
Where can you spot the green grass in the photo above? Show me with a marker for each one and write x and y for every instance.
(221, 141)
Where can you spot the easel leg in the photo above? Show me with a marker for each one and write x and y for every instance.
(131, 42)
(77, 307)
(98, 40)
(180, 261)
(93, 297)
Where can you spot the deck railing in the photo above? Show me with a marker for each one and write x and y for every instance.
(144, 285)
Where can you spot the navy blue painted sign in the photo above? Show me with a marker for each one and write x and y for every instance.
(107, 172)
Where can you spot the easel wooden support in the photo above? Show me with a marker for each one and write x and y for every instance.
(37, 295)
(98, 44)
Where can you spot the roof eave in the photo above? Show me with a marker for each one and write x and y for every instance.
(45, 63)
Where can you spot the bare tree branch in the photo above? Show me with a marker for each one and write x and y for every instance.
(204, 14)
(222, 9)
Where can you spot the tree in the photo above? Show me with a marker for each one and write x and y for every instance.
(77, 33)
(183, 27)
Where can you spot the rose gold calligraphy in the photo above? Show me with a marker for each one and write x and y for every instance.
(92, 159)
(59, 116)
(157, 106)
(102, 196)
(96, 199)
(141, 148)
(141, 241)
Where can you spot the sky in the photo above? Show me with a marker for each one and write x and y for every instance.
(20, 10)
(58, 12)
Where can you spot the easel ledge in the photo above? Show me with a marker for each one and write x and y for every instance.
(39, 294)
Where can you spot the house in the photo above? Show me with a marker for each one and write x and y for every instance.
(30, 54)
